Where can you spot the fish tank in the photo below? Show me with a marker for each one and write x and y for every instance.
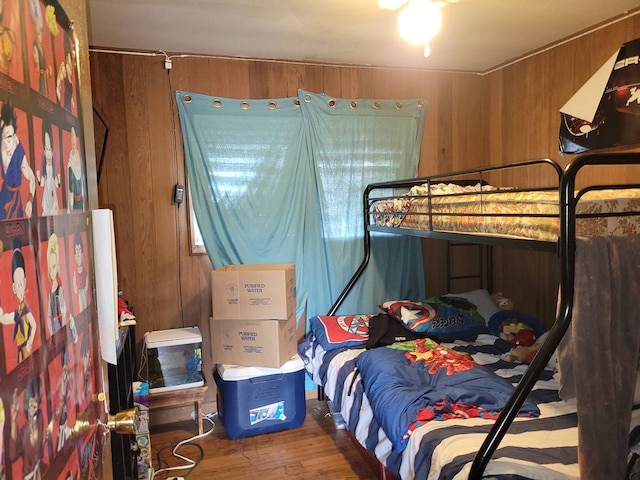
(174, 359)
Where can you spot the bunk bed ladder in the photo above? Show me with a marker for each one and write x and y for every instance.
(483, 273)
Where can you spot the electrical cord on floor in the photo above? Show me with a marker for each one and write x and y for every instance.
(190, 464)
(195, 459)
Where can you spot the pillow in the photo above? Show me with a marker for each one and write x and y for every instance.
(443, 318)
(482, 300)
(350, 331)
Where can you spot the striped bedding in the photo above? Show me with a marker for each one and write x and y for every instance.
(544, 447)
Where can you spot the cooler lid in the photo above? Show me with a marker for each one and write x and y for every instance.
(241, 372)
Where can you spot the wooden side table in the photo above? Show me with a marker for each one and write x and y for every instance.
(175, 398)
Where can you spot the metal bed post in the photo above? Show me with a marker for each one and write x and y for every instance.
(365, 258)
(567, 259)
(489, 260)
(366, 239)
(566, 246)
(566, 249)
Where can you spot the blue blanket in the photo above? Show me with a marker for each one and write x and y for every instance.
(410, 383)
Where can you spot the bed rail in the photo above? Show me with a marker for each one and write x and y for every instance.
(565, 247)
(462, 177)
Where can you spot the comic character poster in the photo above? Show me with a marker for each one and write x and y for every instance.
(19, 304)
(79, 272)
(72, 469)
(39, 47)
(63, 392)
(90, 457)
(74, 170)
(29, 451)
(17, 193)
(84, 367)
(66, 88)
(50, 368)
(54, 282)
(47, 166)
(614, 94)
(10, 40)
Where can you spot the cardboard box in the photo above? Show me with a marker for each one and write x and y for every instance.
(256, 343)
(254, 400)
(254, 292)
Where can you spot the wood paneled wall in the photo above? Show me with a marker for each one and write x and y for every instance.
(167, 286)
(523, 123)
(472, 120)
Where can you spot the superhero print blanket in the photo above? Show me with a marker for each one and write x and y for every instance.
(411, 383)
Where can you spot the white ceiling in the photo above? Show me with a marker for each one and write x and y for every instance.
(477, 35)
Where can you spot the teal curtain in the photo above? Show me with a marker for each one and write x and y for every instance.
(281, 180)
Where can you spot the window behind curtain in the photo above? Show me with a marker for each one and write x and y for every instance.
(281, 180)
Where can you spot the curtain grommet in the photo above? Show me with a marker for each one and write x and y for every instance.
(187, 98)
(217, 103)
(377, 105)
(307, 97)
(273, 105)
(331, 103)
(353, 104)
(399, 105)
(244, 105)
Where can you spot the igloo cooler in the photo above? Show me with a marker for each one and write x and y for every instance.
(257, 400)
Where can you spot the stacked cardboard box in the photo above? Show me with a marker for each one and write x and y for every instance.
(254, 315)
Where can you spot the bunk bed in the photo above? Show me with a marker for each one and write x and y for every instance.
(578, 224)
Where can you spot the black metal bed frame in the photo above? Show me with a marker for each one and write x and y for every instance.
(565, 247)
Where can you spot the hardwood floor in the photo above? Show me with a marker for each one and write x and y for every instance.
(314, 451)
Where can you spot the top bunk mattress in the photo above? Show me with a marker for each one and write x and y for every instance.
(486, 210)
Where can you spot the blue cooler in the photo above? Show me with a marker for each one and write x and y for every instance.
(256, 400)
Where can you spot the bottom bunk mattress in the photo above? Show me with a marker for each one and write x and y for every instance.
(436, 434)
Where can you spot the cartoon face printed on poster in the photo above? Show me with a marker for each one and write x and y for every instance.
(79, 272)
(48, 171)
(18, 314)
(10, 42)
(75, 180)
(65, 76)
(28, 449)
(41, 51)
(15, 202)
(57, 313)
(85, 374)
(61, 373)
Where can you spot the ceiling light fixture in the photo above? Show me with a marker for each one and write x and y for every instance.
(391, 4)
(418, 21)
